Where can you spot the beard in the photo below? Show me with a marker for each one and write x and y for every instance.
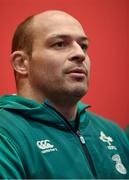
(66, 94)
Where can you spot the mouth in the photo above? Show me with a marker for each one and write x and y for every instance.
(78, 73)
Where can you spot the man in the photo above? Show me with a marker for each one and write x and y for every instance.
(45, 131)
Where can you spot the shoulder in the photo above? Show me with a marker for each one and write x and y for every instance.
(100, 123)
(10, 159)
(127, 131)
(13, 126)
(11, 119)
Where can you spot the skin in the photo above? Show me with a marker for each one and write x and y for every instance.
(59, 67)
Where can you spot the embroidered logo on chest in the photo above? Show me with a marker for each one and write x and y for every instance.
(108, 140)
(116, 157)
(119, 165)
(46, 146)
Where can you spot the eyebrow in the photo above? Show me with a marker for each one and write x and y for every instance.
(65, 36)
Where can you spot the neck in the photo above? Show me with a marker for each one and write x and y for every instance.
(25, 90)
(68, 111)
(67, 106)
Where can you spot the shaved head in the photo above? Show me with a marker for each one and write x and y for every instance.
(54, 13)
(25, 32)
(54, 16)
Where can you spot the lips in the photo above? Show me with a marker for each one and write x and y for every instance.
(78, 71)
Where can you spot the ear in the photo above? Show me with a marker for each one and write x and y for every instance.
(20, 62)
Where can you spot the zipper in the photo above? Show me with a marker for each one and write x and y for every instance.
(85, 149)
(82, 141)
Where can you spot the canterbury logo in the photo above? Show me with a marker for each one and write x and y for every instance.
(46, 146)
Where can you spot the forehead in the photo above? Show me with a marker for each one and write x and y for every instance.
(57, 24)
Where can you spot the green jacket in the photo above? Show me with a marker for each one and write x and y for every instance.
(127, 131)
(36, 142)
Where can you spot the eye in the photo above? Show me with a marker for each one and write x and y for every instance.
(59, 45)
(84, 47)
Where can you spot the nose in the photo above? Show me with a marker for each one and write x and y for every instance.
(77, 53)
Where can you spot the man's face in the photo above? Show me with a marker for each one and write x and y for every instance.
(60, 66)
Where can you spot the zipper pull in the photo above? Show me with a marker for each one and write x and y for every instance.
(81, 137)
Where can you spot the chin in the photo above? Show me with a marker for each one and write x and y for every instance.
(79, 92)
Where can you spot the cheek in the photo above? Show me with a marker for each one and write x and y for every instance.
(45, 68)
(88, 63)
